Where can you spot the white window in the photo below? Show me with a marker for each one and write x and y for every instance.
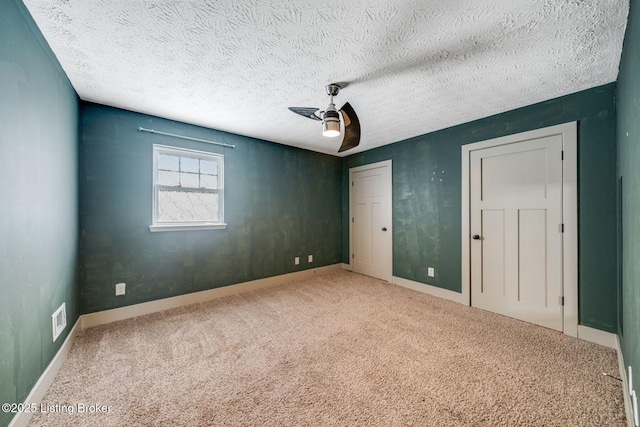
(187, 189)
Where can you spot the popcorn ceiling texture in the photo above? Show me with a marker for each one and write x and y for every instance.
(413, 66)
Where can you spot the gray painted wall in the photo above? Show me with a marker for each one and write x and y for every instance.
(38, 202)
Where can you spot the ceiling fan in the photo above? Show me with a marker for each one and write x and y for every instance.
(330, 119)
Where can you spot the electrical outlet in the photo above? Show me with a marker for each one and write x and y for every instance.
(121, 288)
(310, 258)
(296, 260)
(431, 272)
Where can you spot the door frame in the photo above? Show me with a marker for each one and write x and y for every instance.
(569, 134)
(384, 163)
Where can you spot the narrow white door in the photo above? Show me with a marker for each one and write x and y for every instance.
(371, 234)
(516, 230)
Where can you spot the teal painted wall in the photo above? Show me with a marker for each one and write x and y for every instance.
(629, 170)
(39, 137)
(427, 196)
(280, 202)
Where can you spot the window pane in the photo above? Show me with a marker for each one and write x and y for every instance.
(176, 206)
(168, 178)
(209, 167)
(189, 164)
(209, 181)
(189, 180)
(184, 181)
(168, 162)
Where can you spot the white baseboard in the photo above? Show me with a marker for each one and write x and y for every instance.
(622, 368)
(108, 316)
(429, 289)
(94, 319)
(597, 336)
(38, 391)
(611, 340)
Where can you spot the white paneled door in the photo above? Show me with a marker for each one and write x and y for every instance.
(515, 218)
(370, 215)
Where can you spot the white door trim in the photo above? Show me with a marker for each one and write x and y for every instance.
(569, 134)
(384, 163)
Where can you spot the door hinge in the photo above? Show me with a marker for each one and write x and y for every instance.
(353, 220)
(562, 155)
(353, 256)
(353, 183)
(561, 300)
(562, 228)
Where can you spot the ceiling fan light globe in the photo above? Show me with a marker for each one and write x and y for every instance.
(331, 128)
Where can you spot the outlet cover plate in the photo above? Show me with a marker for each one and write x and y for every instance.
(310, 258)
(121, 288)
(296, 260)
(431, 272)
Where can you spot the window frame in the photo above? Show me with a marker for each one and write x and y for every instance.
(194, 224)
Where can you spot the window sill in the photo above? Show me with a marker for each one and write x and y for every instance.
(187, 227)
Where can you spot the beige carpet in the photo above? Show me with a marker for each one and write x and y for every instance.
(335, 350)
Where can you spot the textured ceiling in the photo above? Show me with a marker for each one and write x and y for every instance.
(412, 66)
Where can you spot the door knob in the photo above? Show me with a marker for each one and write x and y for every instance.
(476, 237)
(384, 228)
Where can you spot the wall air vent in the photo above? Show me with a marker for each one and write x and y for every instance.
(59, 321)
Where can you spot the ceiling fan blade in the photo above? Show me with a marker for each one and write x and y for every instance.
(351, 128)
(308, 112)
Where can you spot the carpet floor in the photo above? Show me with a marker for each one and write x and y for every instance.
(338, 349)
